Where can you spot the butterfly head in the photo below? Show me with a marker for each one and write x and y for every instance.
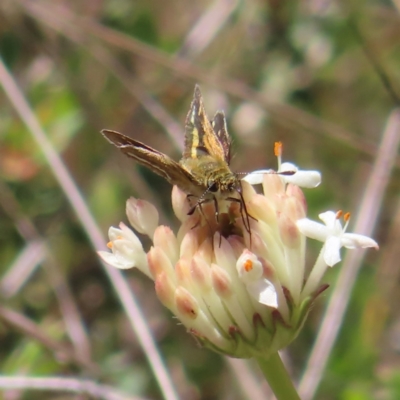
(223, 186)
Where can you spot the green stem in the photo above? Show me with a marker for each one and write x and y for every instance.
(277, 377)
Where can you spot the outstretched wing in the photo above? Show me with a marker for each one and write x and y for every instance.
(156, 161)
(200, 137)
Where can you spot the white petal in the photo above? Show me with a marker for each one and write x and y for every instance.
(353, 241)
(112, 260)
(249, 267)
(306, 179)
(328, 218)
(114, 233)
(130, 236)
(312, 229)
(288, 167)
(331, 251)
(264, 292)
(256, 177)
(123, 248)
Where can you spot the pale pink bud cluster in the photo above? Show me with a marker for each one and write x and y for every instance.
(239, 291)
(229, 291)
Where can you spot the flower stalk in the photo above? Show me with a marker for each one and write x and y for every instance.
(277, 377)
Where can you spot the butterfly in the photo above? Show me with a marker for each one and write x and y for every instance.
(203, 171)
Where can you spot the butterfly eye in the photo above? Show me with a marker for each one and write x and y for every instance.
(213, 187)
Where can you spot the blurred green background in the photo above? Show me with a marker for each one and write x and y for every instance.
(281, 70)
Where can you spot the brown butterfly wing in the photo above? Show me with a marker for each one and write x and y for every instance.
(200, 137)
(156, 161)
(221, 130)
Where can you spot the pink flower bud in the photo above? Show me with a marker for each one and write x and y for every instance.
(294, 192)
(205, 251)
(258, 245)
(292, 208)
(289, 232)
(167, 241)
(182, 272)
(165, 290)
(237, 244)
(272, 186)
(200, 272)
(248, 190)
(261, 208)
(189, 245)
(221, 281)
(142, 215)
(186, 304)
(268, 269)
(159, 262)
(180, 203)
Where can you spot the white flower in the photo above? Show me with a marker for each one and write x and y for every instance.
(289, 173)
(333, 235)
(127, 250)
(250, 271)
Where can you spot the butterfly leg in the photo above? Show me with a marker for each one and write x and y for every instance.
(193, 209)
(243, 213)
(216, 209)
(217, 219)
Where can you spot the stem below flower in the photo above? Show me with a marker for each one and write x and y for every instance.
(277, 377)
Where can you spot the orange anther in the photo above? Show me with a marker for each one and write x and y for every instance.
(339, 214)
(110, 245)
(278, 146)
(248, 265)
(346, 216)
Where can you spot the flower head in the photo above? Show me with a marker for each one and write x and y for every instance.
(233, 288)
(238, 284)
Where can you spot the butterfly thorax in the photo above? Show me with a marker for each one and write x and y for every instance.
(214, 177)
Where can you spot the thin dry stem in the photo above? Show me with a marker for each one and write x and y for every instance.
(61, 351)
(396, 3)
(207, 28)
(248, 379)
(388, 274)
(59, 384)
(19, 272)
